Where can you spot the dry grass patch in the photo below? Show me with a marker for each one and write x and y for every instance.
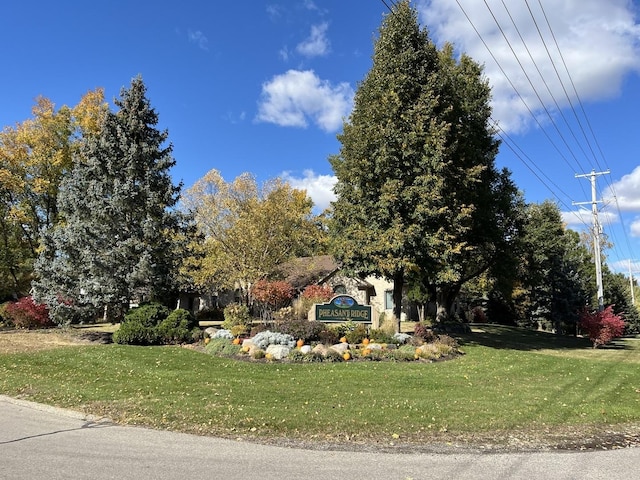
(16, 341)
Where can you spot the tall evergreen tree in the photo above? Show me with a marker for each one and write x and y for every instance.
(417, 189)
(116, 241)
(555, 272)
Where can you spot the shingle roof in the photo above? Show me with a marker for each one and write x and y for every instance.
(303, 271)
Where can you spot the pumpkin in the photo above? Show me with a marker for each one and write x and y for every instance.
(346, 356)
(236, 341)
(343, 340)
(207, 340)
(365, 341)
(300, 343)
(366, 351)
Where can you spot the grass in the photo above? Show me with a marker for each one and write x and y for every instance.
(508, 380)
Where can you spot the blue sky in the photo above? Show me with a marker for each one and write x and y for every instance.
(262, 86)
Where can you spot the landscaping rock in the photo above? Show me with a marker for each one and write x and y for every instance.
(341, 348)
(320, 348)
(374, 346)
(305, 349)
(247, 342)
(278, 352)
(210, 331)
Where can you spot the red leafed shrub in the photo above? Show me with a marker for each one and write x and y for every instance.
(601, 327)
(274, 295)
(25, 313)
(318, 293)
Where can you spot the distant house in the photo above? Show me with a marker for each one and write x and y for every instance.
(301, 272)
(324, 270)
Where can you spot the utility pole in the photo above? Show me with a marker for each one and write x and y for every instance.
(597, 230)
(632, 285)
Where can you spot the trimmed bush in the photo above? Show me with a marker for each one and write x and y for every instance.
(134, 332)
(148, 314)
(178, 327)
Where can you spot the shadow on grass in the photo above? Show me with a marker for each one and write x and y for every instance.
(513, 338)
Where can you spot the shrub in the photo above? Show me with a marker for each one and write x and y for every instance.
(405, 353)
(317, 293)
(329, 335)
(135, 332)
(148, 314)
(311, 295)
(25, 313)
(239, 330)
(601, 327)
(477, 315)
(256, 329)
(401, 338)
(236, 314)
(263, 339)
(222, 347)
(272, 294)
(222, 333)
(213, 314)
(300, 328)
(380, 336)
(356, 334)
(4, 318)
(178, 327)
(423, 331)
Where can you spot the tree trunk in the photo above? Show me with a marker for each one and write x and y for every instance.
(445, 298)
(398, 287)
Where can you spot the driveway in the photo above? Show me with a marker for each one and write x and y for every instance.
(43, 442)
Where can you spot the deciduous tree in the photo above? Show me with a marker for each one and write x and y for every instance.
(34, 157)
(249, 229)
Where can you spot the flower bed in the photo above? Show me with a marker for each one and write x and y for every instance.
(274, 346)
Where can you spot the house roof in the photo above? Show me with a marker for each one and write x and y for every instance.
(303, 271)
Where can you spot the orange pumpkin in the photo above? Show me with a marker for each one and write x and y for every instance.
(346, 356)
(343, 340)
(300, 343)
(207, 340)
(365, 341)
(236, 341)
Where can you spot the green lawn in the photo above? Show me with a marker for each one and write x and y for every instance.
(507, 380)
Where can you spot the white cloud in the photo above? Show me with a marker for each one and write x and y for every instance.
(599, 42)
(317, 44)
(295, 97)
(635, 228)
(626, 191)
(583, 218)
(199, 39)
(318, 187)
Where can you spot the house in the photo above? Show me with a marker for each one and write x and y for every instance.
(324, 270)
(301, 272)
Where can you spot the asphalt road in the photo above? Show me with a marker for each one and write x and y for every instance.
(43, 442)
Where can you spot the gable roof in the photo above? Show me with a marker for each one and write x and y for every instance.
(303, 271)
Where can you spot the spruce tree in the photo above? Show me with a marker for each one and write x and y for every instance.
(116, 241)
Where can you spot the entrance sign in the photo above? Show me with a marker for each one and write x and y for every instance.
(343, 308)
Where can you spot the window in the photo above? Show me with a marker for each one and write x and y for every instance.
(388, 299)
(340, 290)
